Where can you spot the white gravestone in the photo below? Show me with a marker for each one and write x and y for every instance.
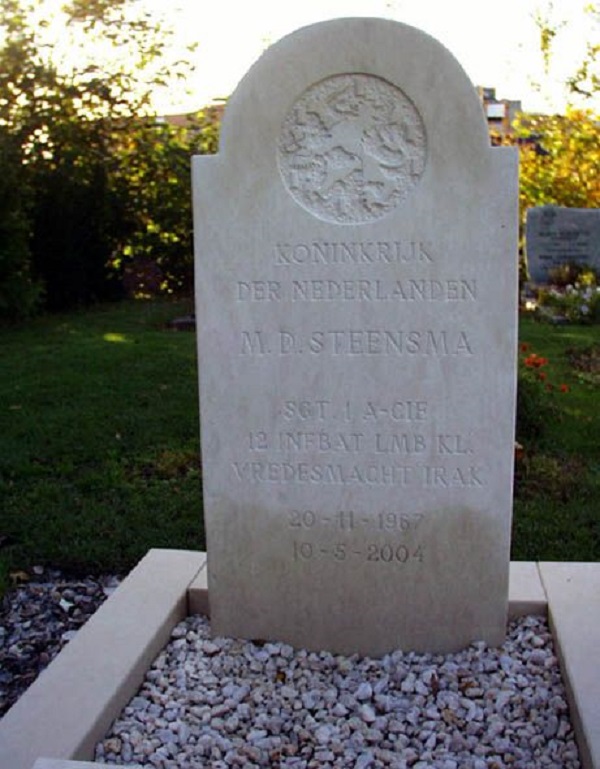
(356, 286)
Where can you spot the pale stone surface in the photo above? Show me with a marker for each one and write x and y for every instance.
(356, 301)
(53, 763)
(573, 591)
(526, 593)
(198, 594)
(344, 155)
(73, 702)
(557, 235)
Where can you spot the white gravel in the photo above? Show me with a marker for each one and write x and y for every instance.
(223, 703)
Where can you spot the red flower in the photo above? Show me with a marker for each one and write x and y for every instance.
(564, 388)
(535, 361)
(524, 347)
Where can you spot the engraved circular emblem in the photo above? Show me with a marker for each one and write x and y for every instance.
(351, 148)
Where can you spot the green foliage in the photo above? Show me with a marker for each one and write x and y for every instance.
(559, 163)
(75, 229)
(153, 180)
(108, 184)
(577, 303)
(548, 30)
(559, 160)
(570, 273)
(572, 295)
(19, 293)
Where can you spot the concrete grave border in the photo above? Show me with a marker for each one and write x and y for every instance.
(74, 701)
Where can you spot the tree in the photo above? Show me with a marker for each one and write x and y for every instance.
(560, 154)
(153, 179)
(585, 82)
(88, 149)
(560, 160)
(19, 292)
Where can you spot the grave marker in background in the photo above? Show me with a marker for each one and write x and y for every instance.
(557, 236)
(356, 299)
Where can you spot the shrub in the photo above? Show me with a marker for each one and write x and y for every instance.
(570, 273)
(19, 292)
(577, 302)
(106, 182)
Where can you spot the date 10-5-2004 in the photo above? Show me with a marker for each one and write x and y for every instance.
(372, 552)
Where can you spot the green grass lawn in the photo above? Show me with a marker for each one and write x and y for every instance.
(99, 449)
(557, 499)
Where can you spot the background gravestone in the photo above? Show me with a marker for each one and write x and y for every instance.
(556, 236)
(356, 296)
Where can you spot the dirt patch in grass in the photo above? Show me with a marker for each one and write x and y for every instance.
(586, 362)
(545, 476)
(169, 464)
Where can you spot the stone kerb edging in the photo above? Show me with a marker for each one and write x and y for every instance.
(135, 622)
(73, 702)
(573, 596)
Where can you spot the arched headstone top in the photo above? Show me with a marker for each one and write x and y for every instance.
(415, 81)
